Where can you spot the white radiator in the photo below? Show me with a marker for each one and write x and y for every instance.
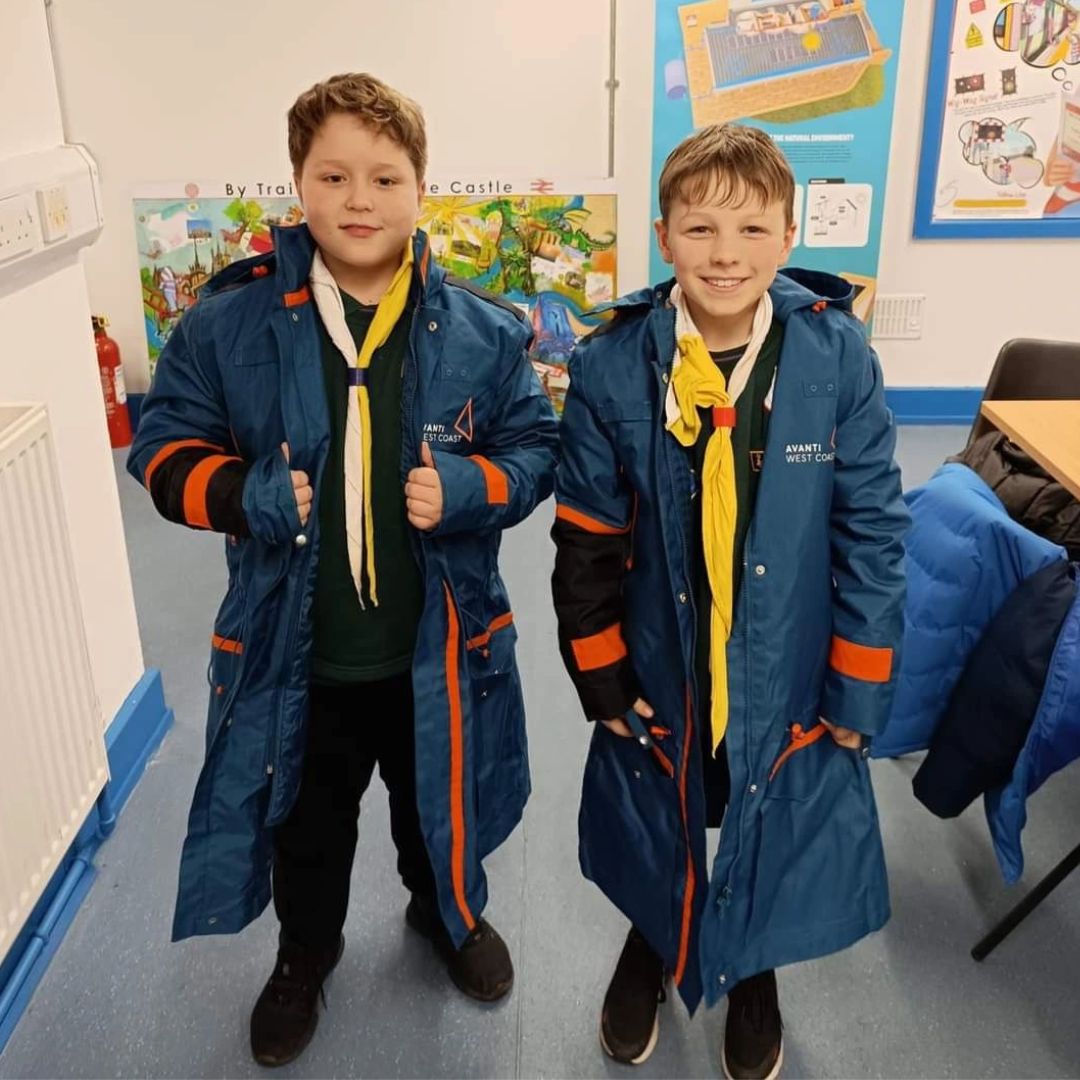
(52, 747)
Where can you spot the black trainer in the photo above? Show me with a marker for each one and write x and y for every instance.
(287, 1012)
(630, 1021)
(481, 968)
(753, 1034)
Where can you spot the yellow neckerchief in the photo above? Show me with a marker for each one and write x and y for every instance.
(390, 309)
(697, 383)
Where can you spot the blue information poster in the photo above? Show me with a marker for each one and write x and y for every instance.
(820, 77)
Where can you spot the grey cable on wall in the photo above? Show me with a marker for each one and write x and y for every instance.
(612, 85)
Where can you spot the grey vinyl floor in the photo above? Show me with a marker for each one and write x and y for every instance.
(120, 1000)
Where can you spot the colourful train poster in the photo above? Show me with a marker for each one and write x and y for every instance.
(541, 244)
(554, 255)
(187, 233)
(819, 76)
(1001, 145)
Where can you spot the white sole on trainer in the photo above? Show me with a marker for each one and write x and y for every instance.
(645, 1054)
(775, 1069)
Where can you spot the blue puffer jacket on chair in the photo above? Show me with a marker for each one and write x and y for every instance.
(1052, 743)
(964, 556)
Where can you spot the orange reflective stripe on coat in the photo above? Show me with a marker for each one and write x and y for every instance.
(226, 644)
(589, 524)
(498, 487)
(167, 452)
(599, 650)
(195, 488)
(800, 740)
(501, 623)
(457, 763)
(664, 761)
(691, 881)
(861, 661)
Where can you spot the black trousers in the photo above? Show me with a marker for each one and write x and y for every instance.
(716, 776)
(351, 729)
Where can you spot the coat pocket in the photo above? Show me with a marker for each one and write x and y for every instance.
(225, 660)
(256, 349)
(499, 742)
(818, 858)
(630, 426)
(629, 829)
(797, 784)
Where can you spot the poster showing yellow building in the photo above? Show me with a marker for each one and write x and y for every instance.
(747, 58)
(819, 76)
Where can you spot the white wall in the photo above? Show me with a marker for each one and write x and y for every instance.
(47, 354)
(196, 96)
(31, 115)
(513, 87)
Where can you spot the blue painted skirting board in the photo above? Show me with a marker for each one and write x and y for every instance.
(130, 740)
(934, 404)
(911, 404)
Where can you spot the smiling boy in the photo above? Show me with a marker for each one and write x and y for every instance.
(729, 609)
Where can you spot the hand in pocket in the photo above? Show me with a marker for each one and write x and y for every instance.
(842, 736)
(620, 727)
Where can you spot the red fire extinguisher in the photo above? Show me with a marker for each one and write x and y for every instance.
(112, 384)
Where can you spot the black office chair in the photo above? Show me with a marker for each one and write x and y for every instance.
(1027, 369)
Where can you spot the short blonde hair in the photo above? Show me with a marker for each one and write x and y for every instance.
(732, 162)
(372, 102)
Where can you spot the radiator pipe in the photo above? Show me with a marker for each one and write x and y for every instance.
(106, 813)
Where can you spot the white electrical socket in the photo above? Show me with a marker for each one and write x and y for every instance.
(54, 212)
(18, 227)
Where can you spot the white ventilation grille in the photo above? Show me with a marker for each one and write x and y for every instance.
(898, 317)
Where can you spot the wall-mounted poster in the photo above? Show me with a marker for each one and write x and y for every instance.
(186, 233)
(1001, 139)
(542, 244)
(819, 76)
